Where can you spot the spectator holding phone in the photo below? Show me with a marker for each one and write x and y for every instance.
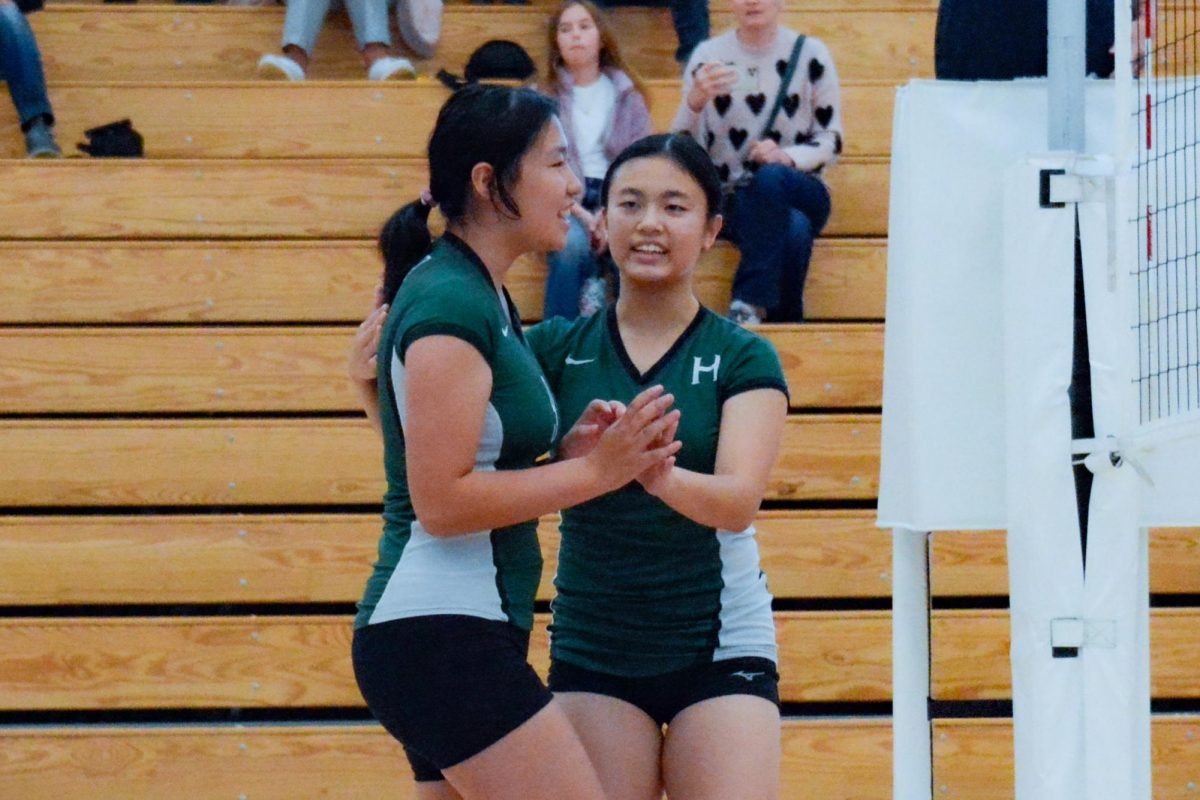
(21, 69)
(765, 103)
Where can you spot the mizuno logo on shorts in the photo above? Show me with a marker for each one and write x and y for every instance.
(749, 676)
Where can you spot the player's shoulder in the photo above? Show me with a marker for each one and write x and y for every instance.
(731, 337)
(445, 275)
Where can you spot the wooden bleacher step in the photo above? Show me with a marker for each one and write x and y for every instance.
(98, 663)
(57, 282)
(974, 758)
(235, 119)
(286, 198)
(822, 758)
(224, 43)
(975, 563)
(970, 654)
(303, 661)
(315, 462)
(325, 558)
(189, 370)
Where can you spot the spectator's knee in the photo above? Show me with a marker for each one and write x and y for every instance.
(770, 180)
(801, 230)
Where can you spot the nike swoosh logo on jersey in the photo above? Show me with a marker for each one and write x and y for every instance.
(749, 676)
(504, 331)
(574, 362)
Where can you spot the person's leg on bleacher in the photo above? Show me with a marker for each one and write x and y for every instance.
(369, 18)
(770, 276)
(566, 272)
(690, 18)
(21, 68)
(301, 27)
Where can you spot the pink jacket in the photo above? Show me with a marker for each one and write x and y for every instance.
(630, 120)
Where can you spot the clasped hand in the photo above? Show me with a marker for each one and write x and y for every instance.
(637, 440)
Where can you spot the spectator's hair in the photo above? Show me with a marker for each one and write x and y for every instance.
(682, 150)
(479, 123)
(610, 52)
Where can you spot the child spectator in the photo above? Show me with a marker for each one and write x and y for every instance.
(21, 68)
(603, 110)
(302, 25)
(764, 101)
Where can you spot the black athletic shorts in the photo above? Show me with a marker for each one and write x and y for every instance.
(446, 686)
(662, 697)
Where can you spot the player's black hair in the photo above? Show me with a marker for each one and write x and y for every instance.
(681, 149)
(479, 123)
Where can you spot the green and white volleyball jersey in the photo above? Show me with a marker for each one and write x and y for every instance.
(490, 573)
(643, 590)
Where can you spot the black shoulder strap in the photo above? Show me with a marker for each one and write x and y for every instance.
(784, 84)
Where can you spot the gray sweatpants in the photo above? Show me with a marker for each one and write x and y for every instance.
(304, 19)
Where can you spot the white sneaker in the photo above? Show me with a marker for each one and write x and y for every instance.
(277, 67)
(390, 67)
(743, 313)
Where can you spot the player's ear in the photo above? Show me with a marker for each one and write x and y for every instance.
(483, 180)
(711, 229)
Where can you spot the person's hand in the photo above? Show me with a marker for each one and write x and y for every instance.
(654, 480)
(631, 445)
(362, 359)
(768, 151)
(597, 236)
(586, 431)
(709, 81)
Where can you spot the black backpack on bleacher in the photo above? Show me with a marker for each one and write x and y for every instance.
(114, 140)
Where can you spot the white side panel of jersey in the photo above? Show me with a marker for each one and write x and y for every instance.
(445, 575)
(747, 627)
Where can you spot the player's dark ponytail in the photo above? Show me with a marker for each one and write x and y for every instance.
(494, 125)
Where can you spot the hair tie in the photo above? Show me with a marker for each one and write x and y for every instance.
(427, 198)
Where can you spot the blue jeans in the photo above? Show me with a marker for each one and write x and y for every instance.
(773, 221)
(569, 268)
(690, 18)
(21, 67)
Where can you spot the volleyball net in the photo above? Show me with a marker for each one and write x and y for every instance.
(1165, 64)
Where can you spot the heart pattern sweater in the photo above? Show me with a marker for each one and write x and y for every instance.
(809, 123)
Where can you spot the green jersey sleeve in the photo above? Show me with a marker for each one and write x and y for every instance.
(447, 306)
(754, 364)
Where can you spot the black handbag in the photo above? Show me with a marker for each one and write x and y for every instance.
(114, 140)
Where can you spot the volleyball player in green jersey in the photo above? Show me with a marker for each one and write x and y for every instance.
(662, 615)
(442, 633)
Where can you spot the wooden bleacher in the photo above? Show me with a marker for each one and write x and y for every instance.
(189, 282)
(889, 41)
(188, 505)
(225, 119)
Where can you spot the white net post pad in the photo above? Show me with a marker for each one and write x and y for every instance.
(943, 461)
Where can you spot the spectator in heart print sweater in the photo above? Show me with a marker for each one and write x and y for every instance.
(764, 101)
